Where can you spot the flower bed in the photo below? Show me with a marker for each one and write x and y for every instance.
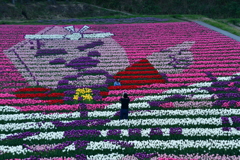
(58, 101)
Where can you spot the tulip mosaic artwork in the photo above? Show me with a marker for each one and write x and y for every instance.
(58, 101)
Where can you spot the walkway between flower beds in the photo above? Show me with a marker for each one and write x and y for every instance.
(233, 36)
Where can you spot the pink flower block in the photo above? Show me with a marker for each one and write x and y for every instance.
(231, 84)
(53, 158)
(6, 95)
(174, 159)
(167, 105)
(47, 107)
(93, 107)
(237, 104)
(225, 105)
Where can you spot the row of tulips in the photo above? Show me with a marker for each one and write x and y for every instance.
(165, 105)
(183, 122)
(152, 145)
(143, 155)
(109, 114)
(163, 133)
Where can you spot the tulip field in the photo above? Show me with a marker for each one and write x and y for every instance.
(58, 101)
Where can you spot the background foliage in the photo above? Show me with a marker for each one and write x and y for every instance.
(210, 8)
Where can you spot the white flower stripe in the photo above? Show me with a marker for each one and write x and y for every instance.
(162, 97)
(15, 149)
(71, 147)
(46, 136)
(177, 144)
(8, 109)
(25, 126)
(185, 90)
(92, 114)
(111, 156)
(201, 84)
(170, 121)
(158, 144)
(140, 105)
(153, 122)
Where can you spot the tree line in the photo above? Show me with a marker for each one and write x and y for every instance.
(210, 8)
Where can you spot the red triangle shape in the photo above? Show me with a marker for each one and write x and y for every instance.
(140, 73)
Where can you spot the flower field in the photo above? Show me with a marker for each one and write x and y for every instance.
(57, 99)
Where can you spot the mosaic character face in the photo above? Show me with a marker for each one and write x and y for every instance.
(57, 52)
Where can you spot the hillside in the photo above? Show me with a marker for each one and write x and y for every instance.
(43, 10)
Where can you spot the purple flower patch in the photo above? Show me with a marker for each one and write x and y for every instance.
(209, 74)
(156, 103)
(58, 61)
(228, 95)
(232, 103)
(81, 133)
(90, 45)
(80, 99)
(71, 77)
(66, 87)
(21, 135)
(237, 78)
(117, 113)
(62, 145)
(64, 81)
(84, 113)
(82, 62)
(81, 144)
(114, 132)
(49, 52)
(237, 128)
(156, 131)
(134, 132)
(81, 157)
(218, 103)
(96, 92)
(82, 106)
(69, 92)
(94, 54)
(144, 155)
(221, 84)
(97, 98)
(226, 128)
(67, 98)
(235, 119)
(225, 120)
(175, 131)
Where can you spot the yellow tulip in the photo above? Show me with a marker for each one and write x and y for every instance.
(75, 97)
(87, 97)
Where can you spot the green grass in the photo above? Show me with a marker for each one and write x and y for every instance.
(35, 22)
(219, 23)
(222, 26)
